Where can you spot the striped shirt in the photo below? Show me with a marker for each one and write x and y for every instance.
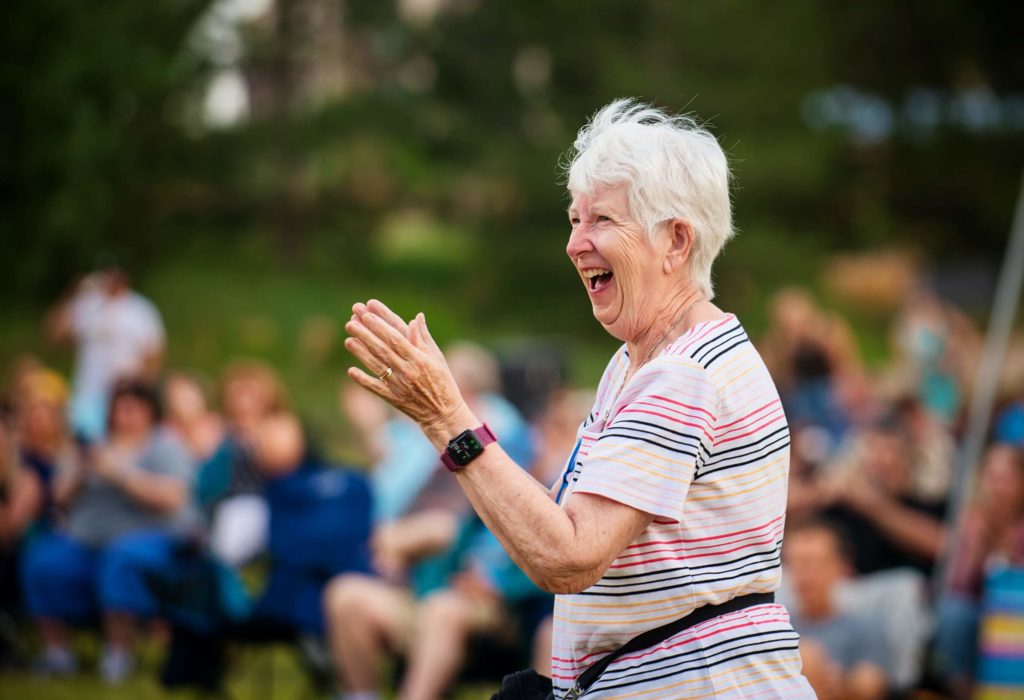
(698, 439)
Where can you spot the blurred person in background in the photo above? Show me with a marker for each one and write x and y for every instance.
(117, 333)
(128, 501)
(870, 494)
(34, 447)
(845, 656)
(554, 431)
(44, 446)
(402, 461)
(477, 589)
(320, 522)
(442, 577)
(933, 449)
(990, 535)
(230, 486)
(1009, 418)
(813, 359)
(187, 414)
(1010, 422)
(810, 447)
(936, 345)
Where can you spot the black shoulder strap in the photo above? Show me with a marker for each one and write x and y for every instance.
(659, 634)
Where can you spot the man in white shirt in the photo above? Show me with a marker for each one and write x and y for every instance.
(118, 333)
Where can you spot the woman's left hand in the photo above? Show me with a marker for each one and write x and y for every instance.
(411, 372)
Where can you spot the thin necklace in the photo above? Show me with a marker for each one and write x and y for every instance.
(625, 374)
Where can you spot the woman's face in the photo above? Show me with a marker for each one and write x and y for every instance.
(184, 399)
(1002, 486)
(621, 269)
(42, 422)
(130, 415)
(246, 400)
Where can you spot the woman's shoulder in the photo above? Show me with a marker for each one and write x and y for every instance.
(707, 340)
(164, 449)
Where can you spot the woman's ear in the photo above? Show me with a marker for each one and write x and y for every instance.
(680, 244)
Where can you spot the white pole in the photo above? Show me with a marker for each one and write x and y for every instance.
(997, 338)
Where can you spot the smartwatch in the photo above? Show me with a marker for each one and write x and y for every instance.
(466, 446)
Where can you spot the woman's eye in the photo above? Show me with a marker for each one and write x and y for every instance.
(602, 217)
(574, 221)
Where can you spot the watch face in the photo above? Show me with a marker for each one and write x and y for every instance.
(464, 448)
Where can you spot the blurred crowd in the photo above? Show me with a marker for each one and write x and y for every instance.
(139, 501)
(889, 597)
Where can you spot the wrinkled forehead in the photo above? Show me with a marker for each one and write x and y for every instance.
(613, 196)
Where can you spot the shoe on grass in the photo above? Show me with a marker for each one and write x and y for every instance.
(55, 662)
(116, 665)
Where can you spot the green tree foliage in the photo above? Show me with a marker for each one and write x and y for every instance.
(90, 94)
(461, 121)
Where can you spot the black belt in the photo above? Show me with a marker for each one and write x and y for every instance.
(660, 634)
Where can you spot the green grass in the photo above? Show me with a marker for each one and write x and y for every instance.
(257, 673)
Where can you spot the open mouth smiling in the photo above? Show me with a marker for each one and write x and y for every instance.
(597, 278)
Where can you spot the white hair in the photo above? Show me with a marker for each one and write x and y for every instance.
(674, 168)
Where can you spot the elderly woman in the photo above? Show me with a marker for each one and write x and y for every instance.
(671, 506)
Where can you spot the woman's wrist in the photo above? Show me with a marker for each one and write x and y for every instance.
(442, 429)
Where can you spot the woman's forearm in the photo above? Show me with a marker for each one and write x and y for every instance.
(158, 492)
(66, 486)
(561, 550)
(912, 530)
(540, 537)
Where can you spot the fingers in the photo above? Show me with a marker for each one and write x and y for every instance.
(423, 333)
(372, 350)
(367, 382)
(396, 340)
(381, 309)
(369, 358)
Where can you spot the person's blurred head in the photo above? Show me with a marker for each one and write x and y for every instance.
(563, 412)
(250, 390)
(811, 446)
(474, 368)
(112, 277)
(1001, 481)
(794, 312)
(280, 445)
(888, 456)
(912, 415)
(134, 409)
(184, 399)
(115, 281)
(817, 557)
(20, 370)
(40, 404)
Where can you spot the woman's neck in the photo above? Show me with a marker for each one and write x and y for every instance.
(129, 439)
(667, 324)
(46, 447)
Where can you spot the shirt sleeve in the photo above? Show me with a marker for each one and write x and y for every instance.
(658, 429)
(150, 326)
(868, 645)
(81, 310)
(168, 456)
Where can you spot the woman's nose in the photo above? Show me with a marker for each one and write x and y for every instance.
(579, 242)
